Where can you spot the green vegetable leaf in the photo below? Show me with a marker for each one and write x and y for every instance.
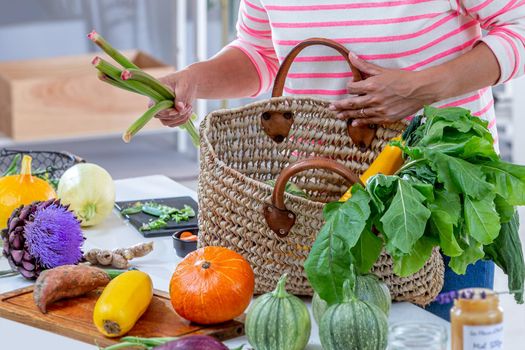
(508, 179)
(444, 216)
(406, 265)
(481, 218)
(420, 171)
(405, 220)
(472, 252)
(504, 209)
(381, 189)
(506, 252)
(366, 251)
(458, 175)
(451, 114)
(328, 262)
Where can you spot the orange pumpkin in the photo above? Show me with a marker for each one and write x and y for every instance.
(212, 285)
(22, 189)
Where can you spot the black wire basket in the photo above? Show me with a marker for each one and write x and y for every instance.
(49, 164)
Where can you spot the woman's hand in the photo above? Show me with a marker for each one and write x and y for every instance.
(185, 88)
(385, 96)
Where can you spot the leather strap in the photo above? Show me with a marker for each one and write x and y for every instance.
(277, 125)
(287, 63)
(281, 220)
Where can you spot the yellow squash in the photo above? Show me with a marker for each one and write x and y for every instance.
(387, 162)
(22, 189)
(122, 303)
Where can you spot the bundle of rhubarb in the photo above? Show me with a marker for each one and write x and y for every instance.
(130, 77)
(453, 192)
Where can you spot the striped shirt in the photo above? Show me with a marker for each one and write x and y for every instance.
(402, 34)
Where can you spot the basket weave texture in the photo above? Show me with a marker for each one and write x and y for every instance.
(237, 158)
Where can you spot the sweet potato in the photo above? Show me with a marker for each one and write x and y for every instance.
(67, 281)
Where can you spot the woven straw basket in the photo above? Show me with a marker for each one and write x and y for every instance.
(243, 148)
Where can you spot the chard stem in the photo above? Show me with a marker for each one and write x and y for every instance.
(408, 165)
(145, 118)
(110, 50)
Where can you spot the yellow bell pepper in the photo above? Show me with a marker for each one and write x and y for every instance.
(122, 303)
(387, 162)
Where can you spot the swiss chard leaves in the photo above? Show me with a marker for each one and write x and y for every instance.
(327, 266)
(453, 191)
(509, 180)
(506, 252)
(406, 265)
(459, 176)
(366, 251)
(472, 252)
(445, 211)
(481, 218)
(405, 220)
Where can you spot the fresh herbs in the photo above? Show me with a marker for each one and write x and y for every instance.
(453, 192)
(164, 213)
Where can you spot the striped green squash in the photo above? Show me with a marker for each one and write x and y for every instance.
(278, 321)
(353, 324)
(367, 288)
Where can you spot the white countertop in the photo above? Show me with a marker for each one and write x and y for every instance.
(160, 264)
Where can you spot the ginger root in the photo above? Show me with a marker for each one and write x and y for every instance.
(118, 258)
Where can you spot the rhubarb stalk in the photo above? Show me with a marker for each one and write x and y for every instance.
(114, 73)
(145, 118)
(135, 80)
(107, 79)
(110, 50)
(146, 79)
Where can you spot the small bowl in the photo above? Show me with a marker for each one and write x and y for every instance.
(182, 247)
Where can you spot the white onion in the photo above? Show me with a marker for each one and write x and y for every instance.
(89, 191)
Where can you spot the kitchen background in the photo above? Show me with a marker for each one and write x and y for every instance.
(175, 32)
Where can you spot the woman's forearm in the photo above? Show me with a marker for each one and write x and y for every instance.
(472, 71)
(229, 74)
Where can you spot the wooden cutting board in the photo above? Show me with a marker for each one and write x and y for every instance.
(73, 318)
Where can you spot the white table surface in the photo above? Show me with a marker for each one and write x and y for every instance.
(159, 264)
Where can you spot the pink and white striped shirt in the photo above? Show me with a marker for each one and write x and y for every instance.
(403, 34)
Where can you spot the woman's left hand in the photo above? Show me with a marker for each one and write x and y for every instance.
(385, 96)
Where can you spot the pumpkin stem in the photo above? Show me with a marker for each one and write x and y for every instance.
(206, 265)
(280, 290)
(26, 166)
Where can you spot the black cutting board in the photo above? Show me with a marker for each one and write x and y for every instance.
(136, 220)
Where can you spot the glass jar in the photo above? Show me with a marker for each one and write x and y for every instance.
(476, 320)
(417, 336)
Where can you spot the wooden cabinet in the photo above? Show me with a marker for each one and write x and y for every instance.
(63, 98)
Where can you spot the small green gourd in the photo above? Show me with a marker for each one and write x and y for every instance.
(353, 324)
(367, 288)
(278, 321)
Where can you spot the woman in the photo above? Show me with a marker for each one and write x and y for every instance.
(413, 52)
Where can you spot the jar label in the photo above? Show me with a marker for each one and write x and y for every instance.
(483, 337)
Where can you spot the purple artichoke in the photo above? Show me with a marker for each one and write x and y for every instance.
(40, 236)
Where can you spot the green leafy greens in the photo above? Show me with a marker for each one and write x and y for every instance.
(453, 192)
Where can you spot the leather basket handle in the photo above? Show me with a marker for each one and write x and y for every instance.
(281, 220)
(277, 125)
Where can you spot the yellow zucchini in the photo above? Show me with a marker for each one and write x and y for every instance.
(387, 162)
(122, 303)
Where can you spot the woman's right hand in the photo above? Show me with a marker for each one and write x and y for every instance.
(185, 89)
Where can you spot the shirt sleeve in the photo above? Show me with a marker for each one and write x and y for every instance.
(254, 38)
(504, 21)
